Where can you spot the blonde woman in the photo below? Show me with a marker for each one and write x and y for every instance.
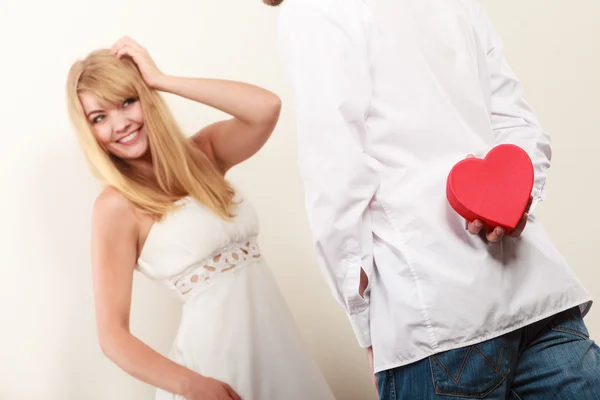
(168, 212)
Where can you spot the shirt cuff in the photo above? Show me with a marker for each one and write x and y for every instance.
(538, 197)
(361, 325)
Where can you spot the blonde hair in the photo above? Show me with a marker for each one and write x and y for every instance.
(180, 168)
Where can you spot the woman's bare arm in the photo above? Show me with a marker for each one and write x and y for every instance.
(114, 253)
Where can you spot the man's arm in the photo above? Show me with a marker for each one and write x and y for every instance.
(326, 52)
(512, 119)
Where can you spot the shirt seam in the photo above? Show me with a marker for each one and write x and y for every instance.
(428, 323)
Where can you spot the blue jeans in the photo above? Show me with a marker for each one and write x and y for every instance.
(552, 359)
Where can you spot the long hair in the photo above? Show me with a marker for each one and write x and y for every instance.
(180, 168)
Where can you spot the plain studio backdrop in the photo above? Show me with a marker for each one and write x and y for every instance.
(48, 344)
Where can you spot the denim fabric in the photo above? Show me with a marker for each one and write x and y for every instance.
(552, 359)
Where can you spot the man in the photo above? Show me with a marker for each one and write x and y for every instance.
(390, 94)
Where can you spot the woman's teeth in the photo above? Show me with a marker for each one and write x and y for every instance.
(129, 137)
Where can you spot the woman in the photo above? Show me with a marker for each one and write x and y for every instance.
(168, 211)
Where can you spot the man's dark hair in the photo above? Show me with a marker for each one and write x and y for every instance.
(273, 2)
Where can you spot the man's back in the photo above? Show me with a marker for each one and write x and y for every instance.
(390, 94)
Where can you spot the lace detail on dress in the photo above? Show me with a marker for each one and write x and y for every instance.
(226, 259)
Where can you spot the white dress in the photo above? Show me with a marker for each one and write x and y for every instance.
(235, 324)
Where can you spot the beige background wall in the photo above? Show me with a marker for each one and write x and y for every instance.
(48, 347)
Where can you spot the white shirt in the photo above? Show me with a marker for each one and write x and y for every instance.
(389, 95)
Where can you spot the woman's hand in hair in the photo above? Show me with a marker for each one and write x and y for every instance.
(130, 48)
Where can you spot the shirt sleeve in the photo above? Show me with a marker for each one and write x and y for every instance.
(512, 119)
(325, 48)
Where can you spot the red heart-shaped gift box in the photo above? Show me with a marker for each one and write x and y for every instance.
(496, 189)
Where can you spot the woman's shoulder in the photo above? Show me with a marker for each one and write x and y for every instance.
(113, 209)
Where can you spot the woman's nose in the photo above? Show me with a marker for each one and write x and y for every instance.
(121, 125)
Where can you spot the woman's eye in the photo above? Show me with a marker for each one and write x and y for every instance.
(97, 119)
(128, 102)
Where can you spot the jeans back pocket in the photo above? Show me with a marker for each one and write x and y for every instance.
(571, 322)
(473, 371)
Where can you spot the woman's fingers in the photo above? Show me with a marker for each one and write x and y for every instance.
(128, 51)
(232, 393)
(127, 42)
